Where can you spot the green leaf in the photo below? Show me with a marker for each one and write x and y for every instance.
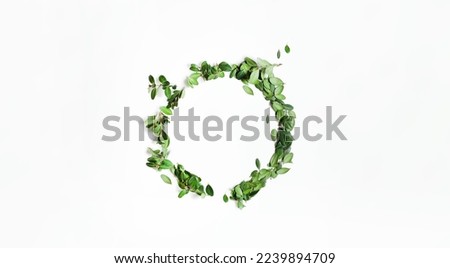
(153, 94)
(238, 191)
(241, 74)
(162, 79)
(166, 164)
(276, 81)
(287, 49)
(209, 190)
(167, 92)
(225, 66)
(165, 110)
(166, 179)
(254, 77)
(182, 193)
(278, 54)
(273, 134)
(258, 164)
(277, 106)
(225, 198)
(288, 158)
(250, 62)
(282, 170)
(263, 63)
(248, 90)
(240, 204)
(151, 79)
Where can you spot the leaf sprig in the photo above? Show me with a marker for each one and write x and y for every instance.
(254, 74)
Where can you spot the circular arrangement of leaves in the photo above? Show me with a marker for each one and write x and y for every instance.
(252, 73)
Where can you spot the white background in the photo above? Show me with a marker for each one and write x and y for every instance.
(66, 65)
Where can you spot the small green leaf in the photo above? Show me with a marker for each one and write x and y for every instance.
(166, 179)
(166, 164)
(287, 49)
(254, 77)
(153, 94)
(166, 111)
(282, 170)
(225, 198)
(278, 54)
(273, 134)
(248, 90)
(162, 79)
(182, 193)
(258, 164)
(288, 158)
(167, 92)
(276, 81)
(225, 66)
(250, 62)
(263, 63)
(209, 190)
(151, 79)
(277, 106)
(240, 204)
(238, 191)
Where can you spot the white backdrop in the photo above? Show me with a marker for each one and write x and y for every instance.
(65, 65)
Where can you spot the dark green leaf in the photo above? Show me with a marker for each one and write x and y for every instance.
(225, 66)
(209, 190)
(151, 79)
(167, 92)
(278, 54)
(153, 94)
(258, 164)
(225, 198)
(287, 49)
(162, 79)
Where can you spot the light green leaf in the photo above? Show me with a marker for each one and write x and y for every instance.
(276, 81)
(277, 106)
(288, 158)
(273, 134)
(283, 170)
(166, 111)
(238, 191)
(182, 193)
(254, 77)
(166, 179)
(225, 198)
(240, 204)
(263, 63)
(248, 90)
